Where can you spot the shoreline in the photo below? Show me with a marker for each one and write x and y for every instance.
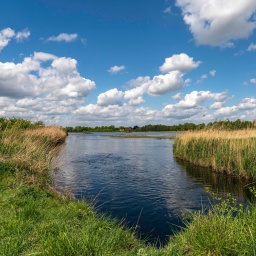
(36, 219)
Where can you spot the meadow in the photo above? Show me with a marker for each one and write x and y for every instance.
(36, 220)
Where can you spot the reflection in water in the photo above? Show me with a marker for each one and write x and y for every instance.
(137, 180)
(219, 183)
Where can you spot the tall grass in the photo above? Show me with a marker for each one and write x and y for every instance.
(227, 229)
(232, 152)
(30, 149)
(35, 220)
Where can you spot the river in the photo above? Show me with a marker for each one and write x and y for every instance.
(138, 180)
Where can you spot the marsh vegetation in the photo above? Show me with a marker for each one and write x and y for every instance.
(36, 220)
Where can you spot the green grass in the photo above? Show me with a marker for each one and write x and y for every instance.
(227, 229)
(36, 220)
(231, 152)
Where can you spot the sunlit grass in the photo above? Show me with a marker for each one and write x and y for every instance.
(227, 151)
(36, 220)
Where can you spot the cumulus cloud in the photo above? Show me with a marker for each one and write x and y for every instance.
(157, 86)
(226, 111)
(30, 78)
(22, 35)
(173, 111)
(63, 37)
(163, 84)
(196, 98)
(179, 62)
(251, 47)
(111, 97)
(247, 103)
(118, 114)
(116, 69)
(217, 105)
(193, 104)
(139, 81)
(7, 34)
(218, 22)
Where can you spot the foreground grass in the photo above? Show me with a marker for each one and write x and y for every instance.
(232, 152)
(227, 229)
(35, 220)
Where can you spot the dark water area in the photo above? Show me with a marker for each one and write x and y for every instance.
(139, 181)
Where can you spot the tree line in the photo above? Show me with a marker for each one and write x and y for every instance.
(219, 125)
(8, 123)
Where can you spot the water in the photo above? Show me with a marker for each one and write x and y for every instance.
(138, 180)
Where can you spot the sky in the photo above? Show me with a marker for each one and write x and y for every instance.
(127, 62)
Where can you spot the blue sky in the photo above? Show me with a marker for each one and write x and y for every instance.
(127, 62)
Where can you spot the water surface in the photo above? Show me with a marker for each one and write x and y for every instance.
(138, 180)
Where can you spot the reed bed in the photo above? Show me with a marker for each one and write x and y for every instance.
(232, 152)
(30, 149)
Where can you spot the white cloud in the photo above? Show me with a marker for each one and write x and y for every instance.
(115, 69)
(42, 56)
(173, 111)
(4, 101)
(168, 9)
(226, 111)
(179, 62)
(177, 96)
(251, 47)
(218, 22)
(5, 36)
(63, 37)
(139, 81)
(28, 78)
(157, 86)
(196, 98)
(253, 80)
(163, 84)
(217, 105)
(202, 78)
(247, 103)
(21, 35)
(111, 97)
(136, 101)
(212, 73)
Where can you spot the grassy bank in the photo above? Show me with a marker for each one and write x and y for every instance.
(35, 220)
(232, 152)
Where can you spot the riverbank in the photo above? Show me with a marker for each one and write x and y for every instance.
(36, 220)
(232, 152)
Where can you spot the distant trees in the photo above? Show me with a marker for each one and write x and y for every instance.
(219, 125)
(6, 123)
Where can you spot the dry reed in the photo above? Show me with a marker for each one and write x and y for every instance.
(233, 152)
(30, 149)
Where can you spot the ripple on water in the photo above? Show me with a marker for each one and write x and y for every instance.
(137, 180)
